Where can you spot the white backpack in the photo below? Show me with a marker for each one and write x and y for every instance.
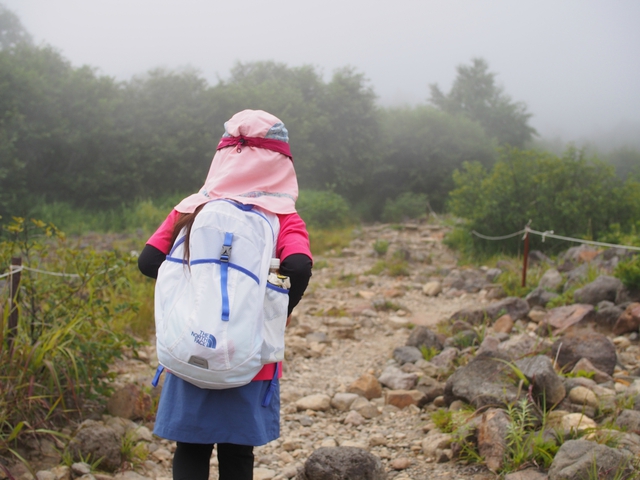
(218, 320)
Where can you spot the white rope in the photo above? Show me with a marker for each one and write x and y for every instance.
(12, 269)
(550, 234)
(504, 237)
(15, 269)
(55, 274)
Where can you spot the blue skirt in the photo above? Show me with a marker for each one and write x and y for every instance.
(195, 415)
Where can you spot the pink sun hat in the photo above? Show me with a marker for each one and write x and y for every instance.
(252, 165)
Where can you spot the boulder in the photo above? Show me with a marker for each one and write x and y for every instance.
(595, 347)
(342, 463)
(424, 337)
(516, 307)
(407, 354)
(629, 321)
(396, 379)
(547, 385)
(94, 440)
(492, 434)
(551, 280)
(602, 288)
(577, 459)
(607, 316)
(562, 318)
(539, 297)
(484, 381)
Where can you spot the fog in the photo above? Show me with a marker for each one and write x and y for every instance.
(574, 63)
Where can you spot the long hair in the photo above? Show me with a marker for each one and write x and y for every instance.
(185, 221)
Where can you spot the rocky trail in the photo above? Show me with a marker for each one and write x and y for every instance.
(350, 380)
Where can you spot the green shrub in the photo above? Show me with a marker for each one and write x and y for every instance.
(381, 247)
(628, 271)
(55, 361)
(571, 195)
(323, 209)
(405, 206)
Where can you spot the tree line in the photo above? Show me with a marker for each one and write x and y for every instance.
(73, 135)
(69, 134)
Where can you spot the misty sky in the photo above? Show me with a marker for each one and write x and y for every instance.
(575, 63)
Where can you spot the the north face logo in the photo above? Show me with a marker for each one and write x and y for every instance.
(205, 339)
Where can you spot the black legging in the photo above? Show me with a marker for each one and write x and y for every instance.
(191, 461)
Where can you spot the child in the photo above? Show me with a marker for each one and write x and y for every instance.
(252, 165)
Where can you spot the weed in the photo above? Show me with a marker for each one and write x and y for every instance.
(342, 280)
(320, 264)
(524, 444)
(332, 312)
(381, 247)
(428, 352)
(133, 453)
(324, 240)
(378, 268)
(578, 374)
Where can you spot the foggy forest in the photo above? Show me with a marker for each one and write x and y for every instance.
(78, 140)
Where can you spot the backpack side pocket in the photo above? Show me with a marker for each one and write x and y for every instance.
(275, 319)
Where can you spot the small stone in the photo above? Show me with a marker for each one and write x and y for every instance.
(354, 418)
(432, 289)
(316, 402)
(400, 463)
(583, 396)
(366, 386)
(504, 324)
(377, 440)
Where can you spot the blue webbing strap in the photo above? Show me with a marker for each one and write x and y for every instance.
(159, 371)
(273, 384)
(224, 274)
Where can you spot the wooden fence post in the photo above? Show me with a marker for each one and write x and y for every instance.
(14, 292)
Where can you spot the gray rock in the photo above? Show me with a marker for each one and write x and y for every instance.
(595, 347)
(528, 474)
(576, 458)
(492, 437)
(516, 307)
(343, 401)
(551, 280)
(607, 316)
(492, 274)
(407, 354)
(576, 276)
(484, 381)
(602, 288)
(423, 336)
(93, 440)
(547, 385)
(629, 420)
(445, 358)
(396, 379)
(342, 463)
(431, 388)
(539, 297)
(518, 346)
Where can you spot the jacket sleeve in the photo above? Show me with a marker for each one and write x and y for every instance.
(150, 260)
(294, 251)
(298, 268)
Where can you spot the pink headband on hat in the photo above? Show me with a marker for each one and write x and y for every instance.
(258, 172)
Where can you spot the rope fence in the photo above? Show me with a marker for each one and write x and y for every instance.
(548, 234)
(13, 269)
